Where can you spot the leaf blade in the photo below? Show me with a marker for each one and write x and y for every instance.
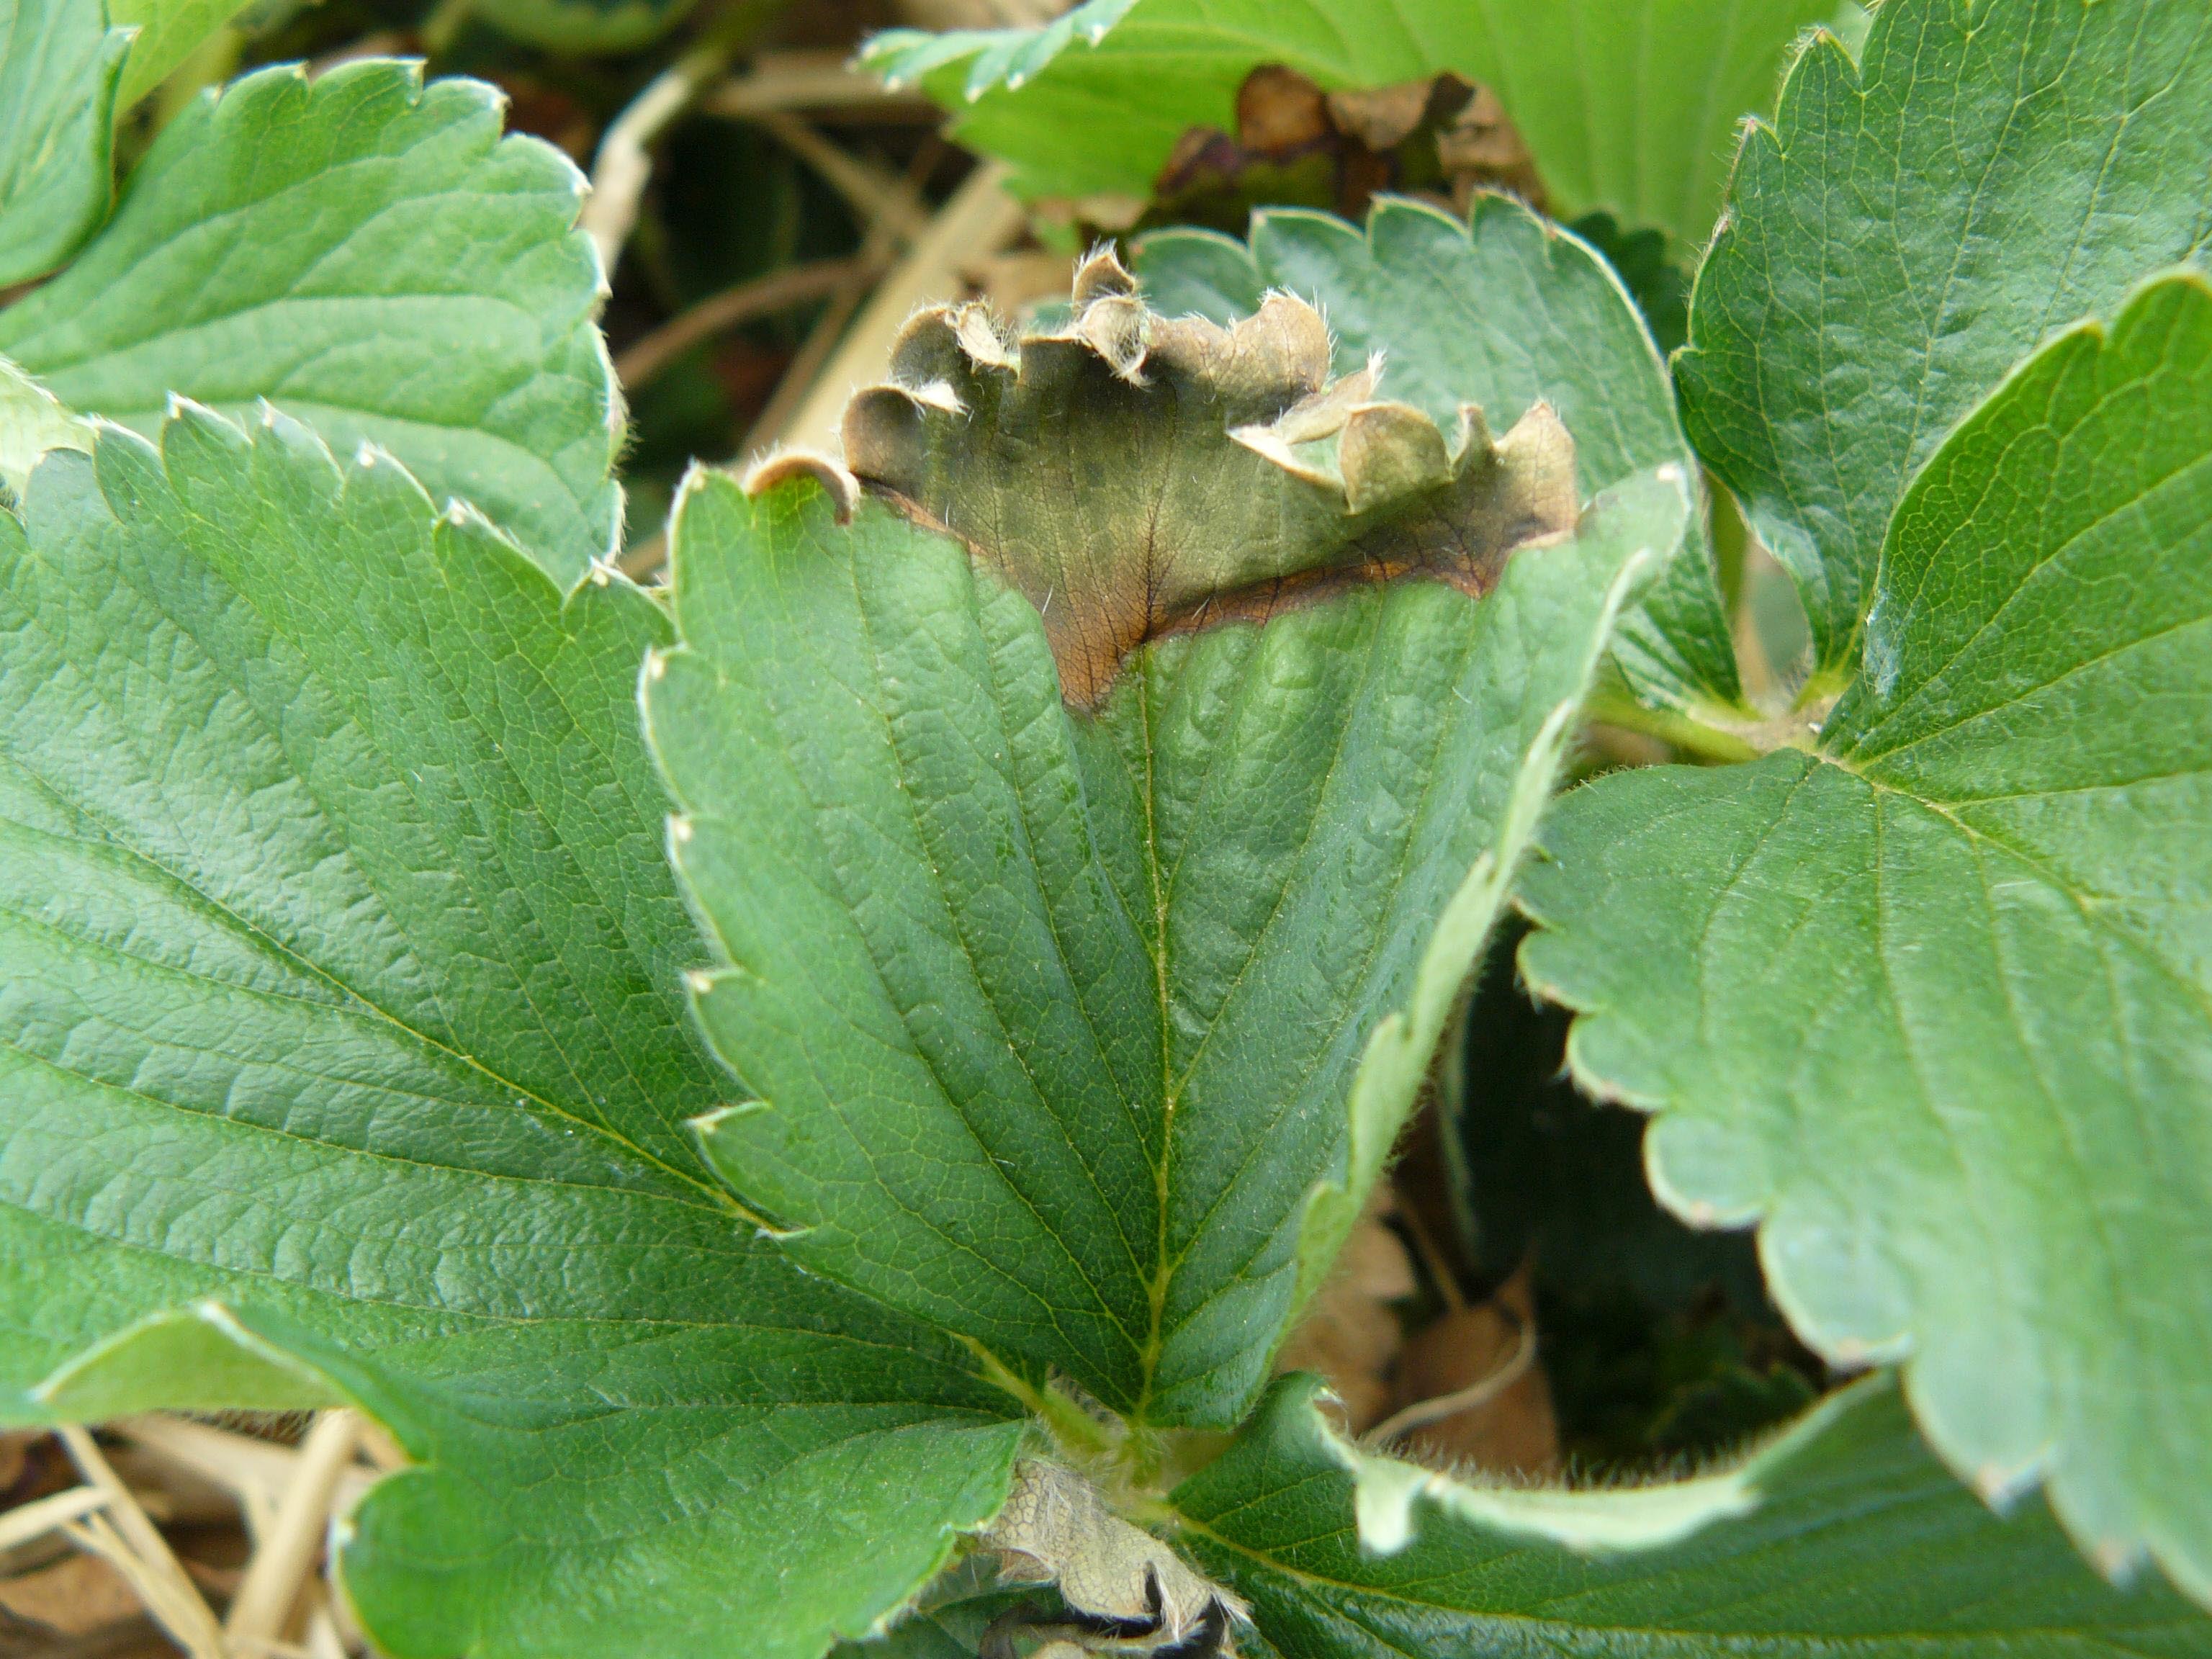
(1824, 369)
(1001, 981)
(368, 253)
(341, 982)
(1978, 1149)
(59, 66)
(1853, 1535)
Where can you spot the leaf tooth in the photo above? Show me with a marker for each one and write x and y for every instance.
(975, 328)
(1114, 328)
(841, 486)
(1387, 452)
(928, 348)
(1276, 357)
(1102, 275)
(1540, 453)
(886, 438)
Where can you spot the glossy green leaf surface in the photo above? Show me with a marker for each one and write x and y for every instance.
(340, 980)
(1908, 230)
(1858, 1541)
(59, 64)
(369, 254)
(1052, 1020)
(1502, 311)
(1629, 106)
(1936, 1001)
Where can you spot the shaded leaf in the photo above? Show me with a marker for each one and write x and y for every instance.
(586, 25)
(169, 31)
(1626, 108)
(59, 64)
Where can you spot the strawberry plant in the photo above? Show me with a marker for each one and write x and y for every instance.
(817, 1095)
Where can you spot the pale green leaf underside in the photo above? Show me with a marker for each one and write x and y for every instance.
(1909, 229)
(1626, 106)
(1937, 1001)
(1501, 312)
(1051, 1019)
(59, 64)
(369, 254)
(339, 980)
(1859, 1541)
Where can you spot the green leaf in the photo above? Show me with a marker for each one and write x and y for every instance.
(1908, 230)
(168, 30)
(1936, 1001)
(1054, 1018)
(1854, 1540)
(1629, 107)
(339, 981)
(1505, 311)
(369, 254)
(59, 63)
(585, 26)
(32, 422)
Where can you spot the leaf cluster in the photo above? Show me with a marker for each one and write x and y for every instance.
(810, 1096)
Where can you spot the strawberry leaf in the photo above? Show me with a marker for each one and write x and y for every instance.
(1842, 1533)
(1934, 1000)
(1059, 978)
(339, 981)
(1627, 108)
(369, 254)
(1505, 311)
(1909, 228)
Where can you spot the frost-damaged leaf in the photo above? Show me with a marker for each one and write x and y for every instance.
(366, 252)
(1937, 1001)
(1842, 1535)
(1051, 1016)
(339, 981)
(1505, 311)
(59, 64)
(1626, 105)
(1912, 227)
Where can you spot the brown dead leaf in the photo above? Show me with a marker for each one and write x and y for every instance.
(1443, 138)
(1351, 1335)
(1515, 1430)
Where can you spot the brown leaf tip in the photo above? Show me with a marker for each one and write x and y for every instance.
(842, 487)
(1137, 476)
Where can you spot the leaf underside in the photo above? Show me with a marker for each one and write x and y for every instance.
(339, 980)
(1505, 311)
(1982, 915)
(1908, 230)
(367, 253)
